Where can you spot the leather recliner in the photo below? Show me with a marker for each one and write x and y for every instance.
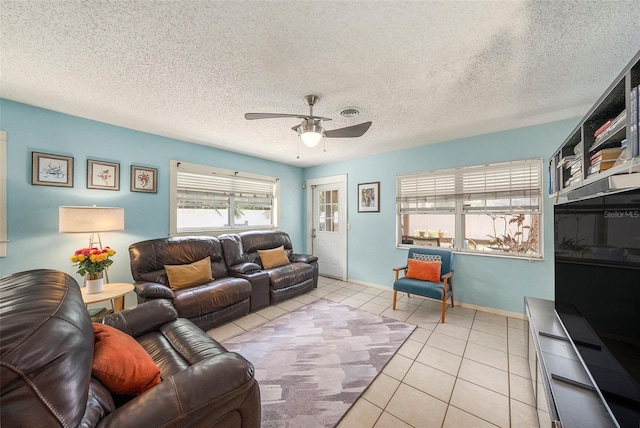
(284, 282)
(46, 352)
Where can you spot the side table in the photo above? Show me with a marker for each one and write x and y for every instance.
(114, 291)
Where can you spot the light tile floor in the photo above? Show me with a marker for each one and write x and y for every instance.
(469, 372)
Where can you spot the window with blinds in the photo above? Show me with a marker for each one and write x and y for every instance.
(492, 209)
(210, 199)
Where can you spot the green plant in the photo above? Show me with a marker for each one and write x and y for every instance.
(513, 240)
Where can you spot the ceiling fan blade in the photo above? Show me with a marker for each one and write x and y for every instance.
(296, 128)
(349, 131)
(253, 116)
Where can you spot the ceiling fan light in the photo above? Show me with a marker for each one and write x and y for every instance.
(310, 134)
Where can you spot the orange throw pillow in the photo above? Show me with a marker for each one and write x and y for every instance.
(121, 363)
(273, 258)
(185, 276)
(423, 270)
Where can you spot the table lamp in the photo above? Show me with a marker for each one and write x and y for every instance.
(91, 220)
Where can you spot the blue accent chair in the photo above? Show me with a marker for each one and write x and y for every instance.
(435, 290)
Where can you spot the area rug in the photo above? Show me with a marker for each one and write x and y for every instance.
(312, 364)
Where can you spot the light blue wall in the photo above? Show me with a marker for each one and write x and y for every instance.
(33, 210)
(486, 281)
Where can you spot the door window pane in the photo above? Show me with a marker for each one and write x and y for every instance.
(328, 211)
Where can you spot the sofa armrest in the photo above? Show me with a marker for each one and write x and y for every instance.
(260, 290)
(201, 394)
(303, 258)
(141, 319)
(153, 290)
(244, 268)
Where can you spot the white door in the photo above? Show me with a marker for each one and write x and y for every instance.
(328, 231)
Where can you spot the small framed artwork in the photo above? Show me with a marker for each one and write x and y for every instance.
(103, 175)
(144, 179)
(369, 197)
(51, 170)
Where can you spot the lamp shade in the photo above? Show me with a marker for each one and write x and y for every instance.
(90, 219)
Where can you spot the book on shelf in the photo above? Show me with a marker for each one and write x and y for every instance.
(609, 127)
(606, 154)
(619, 118)
(600, 166)
(575, 166)
(603, 128)
(566, 160)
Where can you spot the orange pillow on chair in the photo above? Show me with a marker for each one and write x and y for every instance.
(121, 363)
(425, 271)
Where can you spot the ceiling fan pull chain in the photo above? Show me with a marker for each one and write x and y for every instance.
(298, 157)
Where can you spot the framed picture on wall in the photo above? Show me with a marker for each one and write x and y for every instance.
(369, 197)
(51, 170)
(103, 175)
(144, 179)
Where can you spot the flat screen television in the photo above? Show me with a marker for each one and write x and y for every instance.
(597, 293)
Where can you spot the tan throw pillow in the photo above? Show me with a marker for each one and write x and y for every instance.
(273, 258)
(185, 276)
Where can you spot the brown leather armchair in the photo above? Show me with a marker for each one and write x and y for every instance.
(207, 305)
(46, 350)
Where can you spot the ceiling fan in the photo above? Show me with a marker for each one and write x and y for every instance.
(309, 130)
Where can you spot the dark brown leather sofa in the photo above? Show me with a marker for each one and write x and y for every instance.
(281, 283)
(207, 305)
(46, 351)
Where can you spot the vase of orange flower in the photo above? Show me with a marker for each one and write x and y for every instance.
(91, 263)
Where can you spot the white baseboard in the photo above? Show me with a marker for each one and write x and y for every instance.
(457, 302)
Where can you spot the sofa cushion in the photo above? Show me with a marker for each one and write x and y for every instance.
(273, 258)
(189, 275)
(291, 274)
(424, 270)
(121, 363)
(219, 294)
(178, 345)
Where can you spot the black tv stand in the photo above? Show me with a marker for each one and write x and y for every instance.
(564, 390)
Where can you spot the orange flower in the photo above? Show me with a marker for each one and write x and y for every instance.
(92, 261)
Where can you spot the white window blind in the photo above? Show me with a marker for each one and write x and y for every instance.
(509, 186)
(213, 190)
(206, 199)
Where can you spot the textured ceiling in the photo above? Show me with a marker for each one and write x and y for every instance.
(422, 72)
